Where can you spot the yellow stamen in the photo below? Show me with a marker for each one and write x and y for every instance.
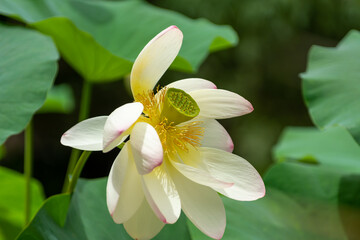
(173, 137)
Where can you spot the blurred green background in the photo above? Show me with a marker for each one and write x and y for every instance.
(274, 39)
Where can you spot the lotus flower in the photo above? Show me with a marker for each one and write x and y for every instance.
(177, 156)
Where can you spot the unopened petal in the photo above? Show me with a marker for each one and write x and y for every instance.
(216, 136)
(124, 193)
(220, 104)
(120, 120)
(146, 147)
(162, 195)
(202, 206)
(228, 167)
(154, 60)
(144, 225)
(86, 135)
(192, 84)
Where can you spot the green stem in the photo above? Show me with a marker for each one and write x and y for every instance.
(28, 159)
(85, 100)
(83, 114)
(77, 171)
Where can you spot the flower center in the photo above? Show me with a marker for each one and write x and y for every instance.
(167, 112)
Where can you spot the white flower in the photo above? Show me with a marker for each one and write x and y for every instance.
(178, 156)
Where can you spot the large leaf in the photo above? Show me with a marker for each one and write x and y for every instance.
(331, 85)
(12, 202)
(101, 39)
(87, 217)
(316, 189)
(334, 148)
(300, 203)
(27, 70)
(336, 173)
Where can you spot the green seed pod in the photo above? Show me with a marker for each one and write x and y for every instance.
(179, 106)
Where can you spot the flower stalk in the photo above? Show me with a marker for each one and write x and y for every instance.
(77, 171)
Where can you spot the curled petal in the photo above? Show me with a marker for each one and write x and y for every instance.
(161, 194)
(202, 205)
(124, 193)
(192, 84)
(120, 120)
(216, 136)
(86, 135)
(220, 104)
(146, 147)
(154, 60)
(144, 224)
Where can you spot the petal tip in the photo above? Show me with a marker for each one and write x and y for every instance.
(251, 108)
(262, 190)
(156, 164)
(231, 145)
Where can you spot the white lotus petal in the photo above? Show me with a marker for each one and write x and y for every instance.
(86, 135)
(124, 193)
(120, 120)
(228, 167)
(192, 84)
(144, 225)
(146, 147)
(154, 60)
(220, 104)
(216, 136)
(161, 194)
(202, 205)
(194, 173)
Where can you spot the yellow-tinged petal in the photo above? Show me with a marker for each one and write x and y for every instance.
(162, 195)
(154, 60)
(228, 167)
(86, 135)
(192, 84)
(144, 225)
(216, 136)
(201, 204)
(220, 104)
(120, 120)
(124, 193)
(146, 147)
(197, 174)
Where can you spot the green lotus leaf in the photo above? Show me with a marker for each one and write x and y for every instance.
(28, 66)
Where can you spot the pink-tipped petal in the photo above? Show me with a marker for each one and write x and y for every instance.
(154, 60)
(220, 104)
(86, 135)
(120, 120)
(161, 194)
(124, 193)
(216, 136)
(192, 84)
(202, 205)
(146, 147)
(144, 225)
(228, 167)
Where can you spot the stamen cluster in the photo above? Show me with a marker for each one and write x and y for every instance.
(173, 137)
